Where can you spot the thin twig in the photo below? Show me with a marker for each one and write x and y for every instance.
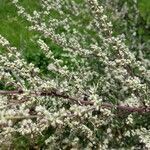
(56, 93)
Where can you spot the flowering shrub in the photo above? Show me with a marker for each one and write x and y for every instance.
(129, 18)
(94, 94)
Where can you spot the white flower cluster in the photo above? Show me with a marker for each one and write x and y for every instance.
(90, 90)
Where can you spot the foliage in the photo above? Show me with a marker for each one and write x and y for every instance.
(70, 78)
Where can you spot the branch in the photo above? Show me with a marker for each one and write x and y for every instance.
(55, 93)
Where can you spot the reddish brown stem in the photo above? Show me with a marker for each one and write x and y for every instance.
(56, 93)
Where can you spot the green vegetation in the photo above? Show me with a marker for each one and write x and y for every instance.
(136, 30)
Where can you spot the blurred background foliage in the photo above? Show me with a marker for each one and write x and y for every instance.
(144, 7)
